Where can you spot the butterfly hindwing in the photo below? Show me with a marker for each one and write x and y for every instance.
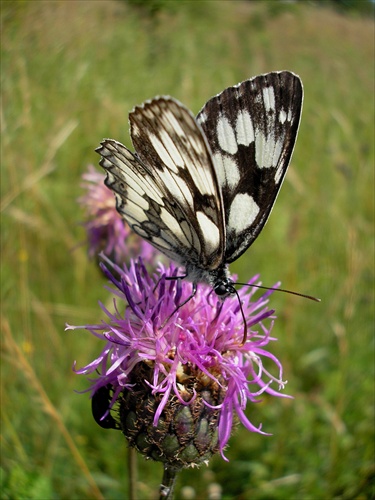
(251, 129)
(168, 191)
(129, 179)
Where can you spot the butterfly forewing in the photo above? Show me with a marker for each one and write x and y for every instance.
(251, 129)
(168, 191)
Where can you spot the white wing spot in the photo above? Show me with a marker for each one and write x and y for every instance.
(243, 212)
(210, 231)
(174, 123)
(133, 196)
(202, 117)
(282, 116)
(226, 170)
(176, 186)
(198, 146)
(135, 129)
(267, 150)
(277, 152)
(171, 148)
(226, 136)
(202, 179)
(162, 152)
(280, 169)
(244, 128)
(269, 98)
(182, 188)
(173, 226)
(260, 148)
(278, 175)
(148, 113)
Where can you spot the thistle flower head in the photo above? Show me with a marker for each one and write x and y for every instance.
(180, 375)
(106, 230)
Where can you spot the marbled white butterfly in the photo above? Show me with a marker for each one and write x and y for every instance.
(201, 189)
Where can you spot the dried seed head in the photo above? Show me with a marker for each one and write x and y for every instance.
(185, 434)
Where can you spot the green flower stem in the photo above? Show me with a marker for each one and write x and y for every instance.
(168, 483)
(132, 473)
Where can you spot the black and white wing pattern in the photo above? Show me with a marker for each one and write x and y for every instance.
(200, 190)
(168, 191)
(251, 129)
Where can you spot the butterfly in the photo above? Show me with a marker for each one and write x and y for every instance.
(201, 189)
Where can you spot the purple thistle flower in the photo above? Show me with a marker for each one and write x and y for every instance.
(106, 230)
(182, 354)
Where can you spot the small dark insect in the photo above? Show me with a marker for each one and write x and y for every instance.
(100, 404)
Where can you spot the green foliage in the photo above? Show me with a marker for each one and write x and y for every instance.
(20, 484)
(71, 71)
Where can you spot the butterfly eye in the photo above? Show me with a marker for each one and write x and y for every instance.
(223, 289)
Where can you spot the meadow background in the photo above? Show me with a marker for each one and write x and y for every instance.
(71, 71)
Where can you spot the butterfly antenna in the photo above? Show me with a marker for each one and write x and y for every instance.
(244, 338)
(304, 295)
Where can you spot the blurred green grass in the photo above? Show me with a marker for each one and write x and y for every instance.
(71, 71)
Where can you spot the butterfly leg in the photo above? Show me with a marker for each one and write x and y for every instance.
(194, 291)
